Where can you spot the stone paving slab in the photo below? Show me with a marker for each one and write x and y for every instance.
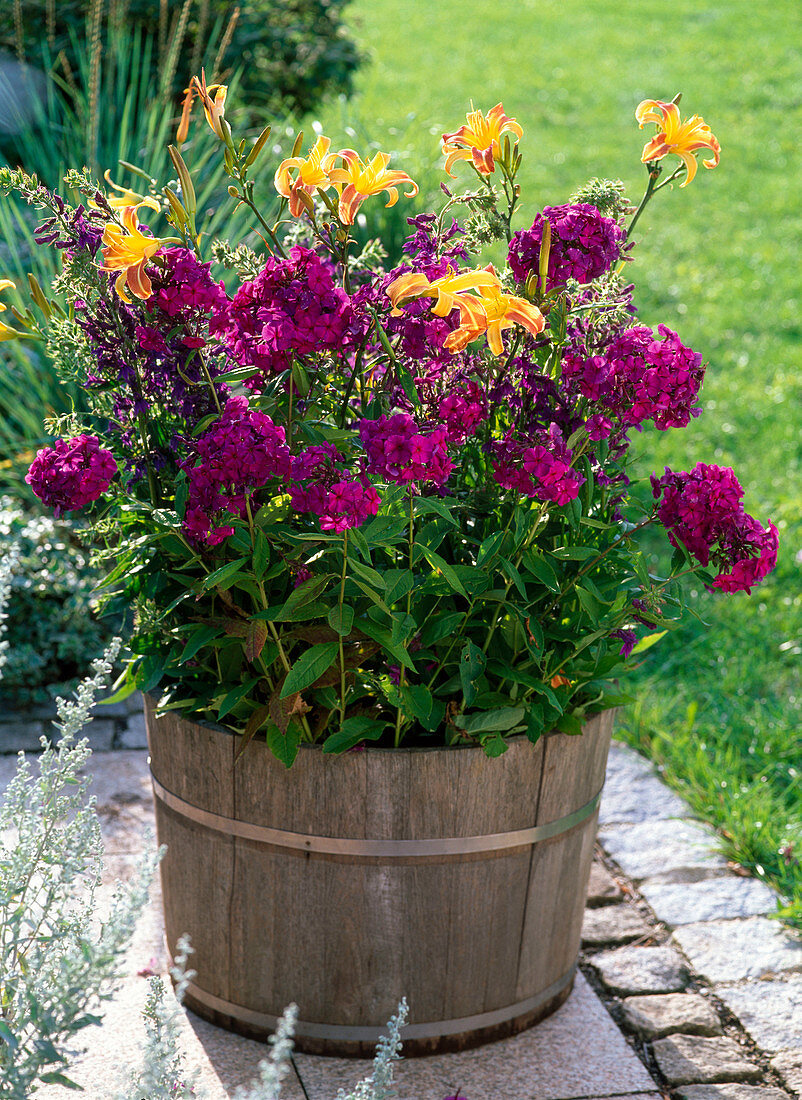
(729, 1091)
(789, 1066)
(725, 898)
(613, 924)
(655, 1017)
(733, 951)
(633, 792)
(664, 851)
(632, 970)
(690, 1060)
(602, 887)
(771, 1012)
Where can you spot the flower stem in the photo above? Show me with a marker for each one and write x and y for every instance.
(342, 649)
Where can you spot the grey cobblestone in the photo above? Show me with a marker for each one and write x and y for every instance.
(21, 735)
(630, 970)
(613, 924)
(725, 898)
(691, 1060)
(134, 735)
(729, 1091)
(737, 950)
(633, 792)
(771, 1012)
(664, 851)
(789, 1066)
(602, 887)
(657, 1016)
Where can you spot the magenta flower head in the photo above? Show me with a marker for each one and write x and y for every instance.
(71, 473)
(584, 244)
(702, 509)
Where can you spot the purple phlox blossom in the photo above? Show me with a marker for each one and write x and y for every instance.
(426, 246)
(348, 504)
(321, 486)
(183, 287)
(702, 509)
(453, 398)
(639, 377)
(584, 245)
(237, 455)
(71, 473)
(539, 468)
(291, 306)
(397, 451)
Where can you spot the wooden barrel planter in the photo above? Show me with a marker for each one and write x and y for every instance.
(348, 882)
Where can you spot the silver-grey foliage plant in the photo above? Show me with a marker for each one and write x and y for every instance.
(56, 964)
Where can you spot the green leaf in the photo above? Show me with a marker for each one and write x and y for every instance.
(471, 666)
(8, 1036)
(261, 553)
(492, 721)
(383, 530)
(447, 570)
(372, 577)
(151, 671)
(341, 619)
(535, 722)
(371, 595)
(540, 568)
(236, 695)
(495, 745)
(428, 710)
(284, 745)
(429, 505)
(489, 547)
(309, 667)
(385, 639)
(203, 636)
(305, 593)
(589, 603)
(407, 384)
(442, 626)
(648, 641)
(352, 731)
(575, 553)
(570, 724)
(397, 583)
(56, 1078)
(514, 576)
(224, 573)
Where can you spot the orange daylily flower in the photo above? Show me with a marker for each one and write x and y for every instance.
(127, 250)
(675, 136)
(125, 196)
(312, 175)
(356, 181)
(6, 331)
(480, 140)
(491, 312)
(214, 109)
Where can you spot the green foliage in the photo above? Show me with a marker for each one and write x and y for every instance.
(294, 53)
(53, 628)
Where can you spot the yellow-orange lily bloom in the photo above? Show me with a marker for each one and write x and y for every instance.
(480, 140)
(312, 175)
(214, 109)
(126, 249)
(675, 136)
(491, 312)
(125, 196)
(6, 331)
(357, 180)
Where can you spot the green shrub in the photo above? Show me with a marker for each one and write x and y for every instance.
(294, 52)
(53, 632)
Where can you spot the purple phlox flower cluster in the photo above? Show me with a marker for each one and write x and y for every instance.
(71, 473)
(77, 230)
(291, 306)
(453, 398)
(584, 244)
(639, 377)
(341, 500)
(702, 509)
(397, 451)
(426, 246)
(238, 455)
(539, 468)
(183, 287)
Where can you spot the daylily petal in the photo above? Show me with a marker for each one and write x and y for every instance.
(128, 253)
(479, 140)
(683, 139)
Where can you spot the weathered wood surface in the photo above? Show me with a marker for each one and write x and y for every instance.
(346, 936)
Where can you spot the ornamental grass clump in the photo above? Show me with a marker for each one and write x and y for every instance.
(350, 504)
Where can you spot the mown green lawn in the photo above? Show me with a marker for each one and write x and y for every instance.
(719, 262)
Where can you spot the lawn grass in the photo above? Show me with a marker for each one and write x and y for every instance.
(718, 705)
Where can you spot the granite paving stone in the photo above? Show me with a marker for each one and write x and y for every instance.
(659, 1015)
(789, 1066)
(613, 924)
(732, 951)
(725, 898)
(540, 1064)
(134, 736)
(602, 887)
(630, 970)
(770, 1011)
(691, 1059)
(633, 792)
(665, 851)
(731, 1091)
(21, 736)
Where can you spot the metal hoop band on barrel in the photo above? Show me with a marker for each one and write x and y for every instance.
(348, 1034)
(387, 849)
